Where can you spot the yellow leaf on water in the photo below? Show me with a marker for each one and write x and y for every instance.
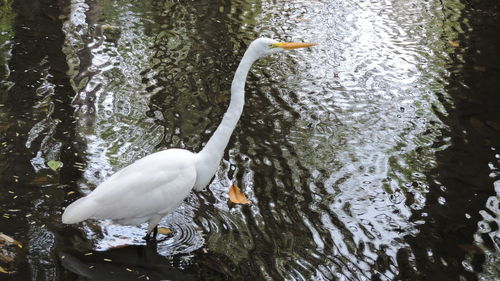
(164, 230)
(236, 196)
(455, 44)
(3, 270)
(69, 193)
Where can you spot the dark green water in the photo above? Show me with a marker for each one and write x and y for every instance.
(372, 156)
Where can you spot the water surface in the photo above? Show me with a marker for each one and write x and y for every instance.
(371, 156)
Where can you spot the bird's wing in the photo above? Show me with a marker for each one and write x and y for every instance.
(154, 184)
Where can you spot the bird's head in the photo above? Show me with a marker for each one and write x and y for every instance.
(266, 46)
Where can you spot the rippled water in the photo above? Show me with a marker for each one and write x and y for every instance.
(371, 156)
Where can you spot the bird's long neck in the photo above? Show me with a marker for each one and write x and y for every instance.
(214, 149)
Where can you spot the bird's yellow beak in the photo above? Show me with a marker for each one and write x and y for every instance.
(291, 45)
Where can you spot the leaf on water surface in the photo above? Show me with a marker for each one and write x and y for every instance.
(471, 249)
(7, 257)
(111, 33)
(40, 180)
(3, 270)
(69, 193)
(5, 126)
(10, 240)
(222, 97)
(477, 123)
(302, 19)
(164, 230)
(120, 246)
(480, 68)
(236, 196)
(493, 125)
(455, 44)
(54, 165)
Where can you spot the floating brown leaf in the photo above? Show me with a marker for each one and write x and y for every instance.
(10, 240)
(471, 249)
(480, 68)
(222, 97)
(164, 230)
(5, 126)
(236, 196)
(119, 246)
(6, 256)
(455, 44)
(40, 180)
(494, 125)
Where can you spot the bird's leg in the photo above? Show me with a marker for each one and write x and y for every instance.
(153, 227)
(155, 232)
(147, 237)
(148, 234)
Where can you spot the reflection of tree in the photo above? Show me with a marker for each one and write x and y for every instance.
(6, 17)
(39, 98)
(39, 117)
(463, 179)
(81, 39)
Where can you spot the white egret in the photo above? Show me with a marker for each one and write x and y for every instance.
(156, 185)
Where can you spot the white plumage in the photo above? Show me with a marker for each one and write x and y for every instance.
(145, 191)
(155, 185)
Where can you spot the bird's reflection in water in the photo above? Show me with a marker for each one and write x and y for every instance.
(136, 262)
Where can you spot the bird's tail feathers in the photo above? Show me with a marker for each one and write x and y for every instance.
(79, 210)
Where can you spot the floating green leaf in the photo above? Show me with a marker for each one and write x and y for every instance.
(54, 165)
